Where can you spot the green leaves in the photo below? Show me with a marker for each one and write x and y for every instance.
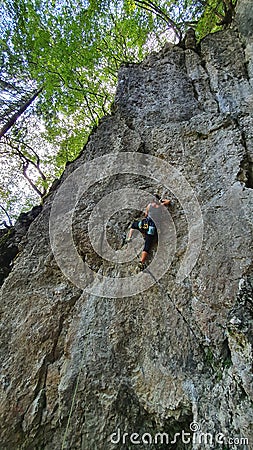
(74, 48)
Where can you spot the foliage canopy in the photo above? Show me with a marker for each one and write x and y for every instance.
(66, 54)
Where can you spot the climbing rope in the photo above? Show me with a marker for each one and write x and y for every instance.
(172, 301)
(160, 287)
(72, 403)
(200, 342)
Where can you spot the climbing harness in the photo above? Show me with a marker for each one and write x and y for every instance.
(147, 226)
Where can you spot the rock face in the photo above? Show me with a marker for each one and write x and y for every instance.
(78, 370)
(13, 239)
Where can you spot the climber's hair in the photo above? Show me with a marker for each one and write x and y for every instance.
(157, 198)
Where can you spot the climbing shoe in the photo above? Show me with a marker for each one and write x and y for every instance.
(141, 266)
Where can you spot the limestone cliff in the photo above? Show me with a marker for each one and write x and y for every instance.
(177, 357)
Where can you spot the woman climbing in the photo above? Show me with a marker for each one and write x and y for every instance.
(149, 225)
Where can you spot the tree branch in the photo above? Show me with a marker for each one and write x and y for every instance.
(9, 219)
(25, 167)
(25, 163)
(152, 7)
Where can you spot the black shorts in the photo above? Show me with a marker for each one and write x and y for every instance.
(150, 239)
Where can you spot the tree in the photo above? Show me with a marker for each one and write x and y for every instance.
(13, 119)
(60, 61)
(9, 224)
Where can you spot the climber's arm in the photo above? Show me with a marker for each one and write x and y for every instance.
(165, 202)
(146, 211)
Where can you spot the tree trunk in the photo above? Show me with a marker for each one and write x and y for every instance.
(15, 116)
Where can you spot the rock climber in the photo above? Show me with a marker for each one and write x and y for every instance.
(148, 226)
